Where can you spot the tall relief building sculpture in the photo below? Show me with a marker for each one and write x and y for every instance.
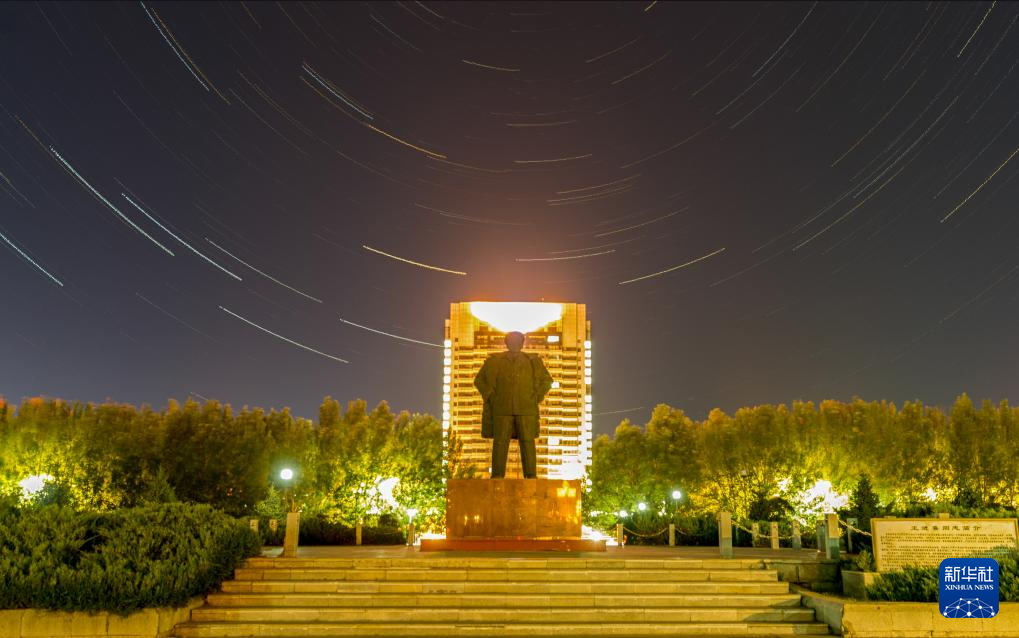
(561, 334)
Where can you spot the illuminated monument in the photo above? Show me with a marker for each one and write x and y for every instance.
(561, 334)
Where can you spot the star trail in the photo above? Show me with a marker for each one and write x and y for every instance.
(267, 203)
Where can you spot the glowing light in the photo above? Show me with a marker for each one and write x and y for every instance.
(676, 494)
(383, 491)
(815, 500)
(519, 316)
(447, 343)
(553, 338)
(642, 506)
(587, 345)
(622, 514)
(32, 485)
(411, 512)
(930, 494)
(555, 384)
(286, 474)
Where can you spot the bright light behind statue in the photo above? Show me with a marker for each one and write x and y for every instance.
(520, 316)
(286, 474)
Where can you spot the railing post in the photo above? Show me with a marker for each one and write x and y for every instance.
(849, 534)
(755, 531)
(831, 533)
(357, 533)
(619, 534)
(821, 540)
(797, 542)
(774, 535)
(725, 534)
(672, 534)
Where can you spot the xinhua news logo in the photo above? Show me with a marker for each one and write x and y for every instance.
(969, 588)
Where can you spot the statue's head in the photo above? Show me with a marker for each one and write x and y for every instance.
(514, 341)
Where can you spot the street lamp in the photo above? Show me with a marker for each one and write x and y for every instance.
(676, 495)
(287, 475)
(293, 516)
(642, 506)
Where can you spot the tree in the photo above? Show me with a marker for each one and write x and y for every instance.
(353, 461)
(416, 453)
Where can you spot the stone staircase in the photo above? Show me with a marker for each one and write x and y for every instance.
(488, 596)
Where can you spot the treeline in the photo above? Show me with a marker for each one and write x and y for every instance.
(102, 457)
(764, 462)
(769, 459)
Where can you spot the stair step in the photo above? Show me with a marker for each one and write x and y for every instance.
(497, 575)
(544, 615)
(504, 563)
(481, 587)
(500, 600)
(530, 629)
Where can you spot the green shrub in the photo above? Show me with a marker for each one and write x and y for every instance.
(920, 584)
(316, 530)
(914, 584)
(864, 561)
(648, 528)
(124, 560)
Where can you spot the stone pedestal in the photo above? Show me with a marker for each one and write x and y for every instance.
(508, 514)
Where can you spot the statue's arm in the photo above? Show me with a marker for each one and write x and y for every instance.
(543, 382)
(484, 381)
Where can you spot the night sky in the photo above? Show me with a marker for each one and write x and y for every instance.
(758, 202)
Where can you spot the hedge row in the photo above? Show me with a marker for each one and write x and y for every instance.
(921, 584)
(123, 560)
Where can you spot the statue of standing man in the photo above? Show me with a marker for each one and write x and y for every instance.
(512, 384)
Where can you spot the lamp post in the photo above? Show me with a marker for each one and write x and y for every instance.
(411, 512)
(293, 516)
